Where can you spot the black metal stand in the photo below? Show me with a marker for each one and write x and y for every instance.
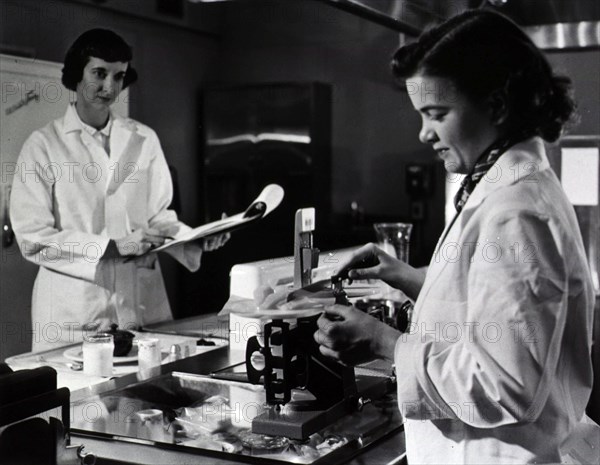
(300, 365)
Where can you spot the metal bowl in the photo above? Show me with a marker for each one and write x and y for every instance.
(393, 313)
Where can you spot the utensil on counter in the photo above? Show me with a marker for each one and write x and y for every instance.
(75, 366)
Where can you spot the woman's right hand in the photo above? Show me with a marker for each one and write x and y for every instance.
(370, 262)
(139, 242)
(351, 336)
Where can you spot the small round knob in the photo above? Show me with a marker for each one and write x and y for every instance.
(361, 402)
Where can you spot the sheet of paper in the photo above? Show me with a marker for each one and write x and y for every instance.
(269, 199)
(579, 174)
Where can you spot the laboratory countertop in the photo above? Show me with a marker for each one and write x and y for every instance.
(110, 450)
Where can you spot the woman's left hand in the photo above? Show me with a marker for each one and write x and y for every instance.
(352, 337)
(211, 243)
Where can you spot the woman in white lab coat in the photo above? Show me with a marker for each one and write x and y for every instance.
(90, 202)
(495, 366)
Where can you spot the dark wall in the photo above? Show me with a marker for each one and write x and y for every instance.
(373, 123)
(583, 67)
(375, 129)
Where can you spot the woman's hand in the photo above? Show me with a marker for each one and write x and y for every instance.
(137, 243)
(370, 262)
(352, 337)
(211, 243)
(215, 242)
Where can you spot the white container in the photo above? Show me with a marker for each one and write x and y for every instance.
(98, 354)
(151, 424)
(246, 277)
(149, 357)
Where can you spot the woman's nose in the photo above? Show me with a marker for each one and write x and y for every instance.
(427, 135)
(108, 85)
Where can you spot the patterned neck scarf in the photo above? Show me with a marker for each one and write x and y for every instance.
(482, 166)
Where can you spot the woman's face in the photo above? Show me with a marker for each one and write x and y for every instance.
(458, 129)
(101, 83)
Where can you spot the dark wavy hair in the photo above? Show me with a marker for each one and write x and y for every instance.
(484, 53)
(99, 43)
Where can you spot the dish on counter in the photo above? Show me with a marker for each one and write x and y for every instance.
(210, 342)
(281, 314)
(284, 302)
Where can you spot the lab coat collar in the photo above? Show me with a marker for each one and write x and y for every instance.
(120, 132)
(520, 162)
(72, 122)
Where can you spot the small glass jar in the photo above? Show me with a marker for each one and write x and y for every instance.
(151, 424)
(149, 357)
(98, 354)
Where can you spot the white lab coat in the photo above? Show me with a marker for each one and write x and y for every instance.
(68, 199)
(496, 368)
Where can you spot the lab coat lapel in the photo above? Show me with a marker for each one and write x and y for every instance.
(521, 162)
(448, 240)
(125, 148)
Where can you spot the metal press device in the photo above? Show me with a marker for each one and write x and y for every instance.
(305, 390)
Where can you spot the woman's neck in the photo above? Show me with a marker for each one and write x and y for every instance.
(92, 116)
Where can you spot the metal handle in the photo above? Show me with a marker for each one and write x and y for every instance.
(8, 235)
(86, 458)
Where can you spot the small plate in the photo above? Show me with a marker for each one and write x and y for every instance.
(281, 314)
(76, 354)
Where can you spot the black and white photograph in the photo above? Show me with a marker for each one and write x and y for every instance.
(299, 232)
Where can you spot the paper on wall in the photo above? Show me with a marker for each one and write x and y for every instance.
(579, 174)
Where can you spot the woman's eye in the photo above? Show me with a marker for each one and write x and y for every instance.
(119, 77)
(436, 116)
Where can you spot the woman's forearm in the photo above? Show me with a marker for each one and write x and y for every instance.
(410, 281)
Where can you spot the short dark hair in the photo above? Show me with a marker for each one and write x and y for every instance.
(482, 52)
(99, 43)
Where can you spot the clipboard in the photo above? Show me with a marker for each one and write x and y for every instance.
(267, 201)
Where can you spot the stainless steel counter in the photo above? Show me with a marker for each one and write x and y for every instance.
(389, 449)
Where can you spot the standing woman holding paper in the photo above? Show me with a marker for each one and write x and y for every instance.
(91, 200)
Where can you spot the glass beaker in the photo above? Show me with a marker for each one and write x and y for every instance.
(394, 239)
